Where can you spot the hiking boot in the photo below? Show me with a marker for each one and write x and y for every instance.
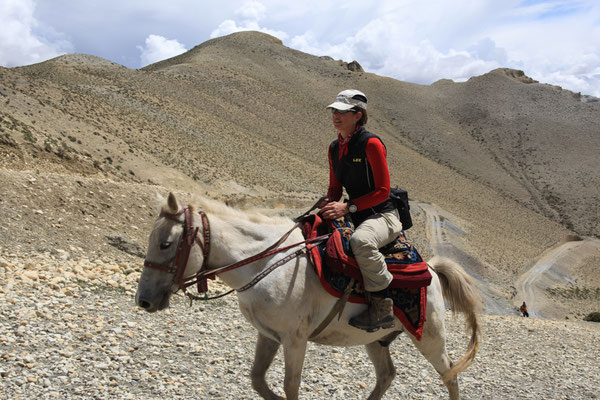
(379, 314)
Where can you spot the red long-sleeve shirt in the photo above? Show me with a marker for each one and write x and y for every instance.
(376, 157)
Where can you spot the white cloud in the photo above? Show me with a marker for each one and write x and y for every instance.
(159, 48)
(585, 81)
(252, 10)
(486, 49)
(391, 49)
(250, 13)
(20, 43)
(561, 49)
(555, 41)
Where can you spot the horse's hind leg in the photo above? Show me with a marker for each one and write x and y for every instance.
(433, 347)
(384, 368)
(263, 357)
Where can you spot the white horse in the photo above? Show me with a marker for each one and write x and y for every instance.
(290, 302)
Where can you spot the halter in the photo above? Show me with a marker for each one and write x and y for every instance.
(178, 263)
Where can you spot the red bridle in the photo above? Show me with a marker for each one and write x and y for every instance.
(178, 263)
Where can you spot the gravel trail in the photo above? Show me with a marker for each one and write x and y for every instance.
(69, 329)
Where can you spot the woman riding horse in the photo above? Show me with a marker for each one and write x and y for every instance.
(357, 162)
(282, 296)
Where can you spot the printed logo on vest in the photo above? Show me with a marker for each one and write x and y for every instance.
(356, 159)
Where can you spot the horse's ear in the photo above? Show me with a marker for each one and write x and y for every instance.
(173, 204)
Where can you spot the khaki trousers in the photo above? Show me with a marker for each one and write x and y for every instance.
(374, 233)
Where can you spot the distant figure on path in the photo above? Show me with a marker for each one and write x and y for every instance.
(523, 309)
(357, 162)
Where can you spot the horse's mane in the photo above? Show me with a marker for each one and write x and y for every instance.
(225, 212)
(248, 229)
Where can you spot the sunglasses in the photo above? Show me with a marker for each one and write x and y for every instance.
(333, 111)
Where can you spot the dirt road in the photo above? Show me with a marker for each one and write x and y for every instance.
(553, 268)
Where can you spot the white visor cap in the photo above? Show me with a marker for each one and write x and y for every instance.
(349, 98)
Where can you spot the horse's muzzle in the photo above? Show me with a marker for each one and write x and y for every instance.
(153, 303)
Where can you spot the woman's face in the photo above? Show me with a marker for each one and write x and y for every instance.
(345, 123)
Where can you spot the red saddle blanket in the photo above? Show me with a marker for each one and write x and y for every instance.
(335, 265)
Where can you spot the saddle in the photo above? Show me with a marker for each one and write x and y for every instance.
(336, 267)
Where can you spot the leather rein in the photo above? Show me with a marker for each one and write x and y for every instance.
(178, 263)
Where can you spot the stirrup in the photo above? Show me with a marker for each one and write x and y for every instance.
(385, 323)
(375, 328)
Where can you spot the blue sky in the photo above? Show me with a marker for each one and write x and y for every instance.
(420, 41)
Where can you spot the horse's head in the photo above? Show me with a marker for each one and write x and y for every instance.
(172, 258)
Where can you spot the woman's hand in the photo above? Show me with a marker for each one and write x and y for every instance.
(334, 210)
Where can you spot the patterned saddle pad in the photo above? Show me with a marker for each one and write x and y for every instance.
(335, 265)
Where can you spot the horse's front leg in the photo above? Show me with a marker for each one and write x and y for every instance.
(294, 349)
(263, 357)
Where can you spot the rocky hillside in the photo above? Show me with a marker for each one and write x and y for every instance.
(86, 144)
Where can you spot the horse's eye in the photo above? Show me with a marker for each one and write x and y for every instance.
(165, 245)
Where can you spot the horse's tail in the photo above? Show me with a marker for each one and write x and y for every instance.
(459, 291)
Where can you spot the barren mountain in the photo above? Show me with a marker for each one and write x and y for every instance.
(86, 144)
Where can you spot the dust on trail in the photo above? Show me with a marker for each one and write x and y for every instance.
(440, 229)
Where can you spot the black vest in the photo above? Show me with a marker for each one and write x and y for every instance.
(354, 173)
